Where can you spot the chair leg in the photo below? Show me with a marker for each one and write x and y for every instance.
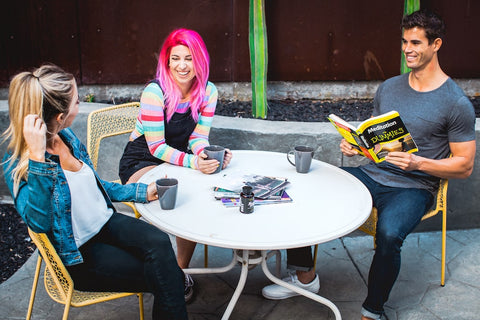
(68, 302)
(134, 209)
(315, 253)
(444, 246)
(34, 286)
(140, 305)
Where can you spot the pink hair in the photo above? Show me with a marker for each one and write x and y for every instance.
(201, 60)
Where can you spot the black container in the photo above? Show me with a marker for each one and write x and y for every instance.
(246, 200)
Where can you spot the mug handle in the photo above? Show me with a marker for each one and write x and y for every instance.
(288, 157)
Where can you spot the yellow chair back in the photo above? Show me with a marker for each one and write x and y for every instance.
(109, 122)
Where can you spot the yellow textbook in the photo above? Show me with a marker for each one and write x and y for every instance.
(375, 137)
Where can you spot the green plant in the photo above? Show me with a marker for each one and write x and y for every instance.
(257, 41)
(409, 7)
(90, 97)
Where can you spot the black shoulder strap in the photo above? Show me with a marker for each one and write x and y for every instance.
(158, 83)
(155, 81)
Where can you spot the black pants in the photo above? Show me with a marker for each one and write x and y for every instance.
(300, 259)
(130, 255)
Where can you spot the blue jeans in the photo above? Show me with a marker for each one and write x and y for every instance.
(130, 255)
(400, 210)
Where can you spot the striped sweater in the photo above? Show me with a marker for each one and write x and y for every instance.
(150, 122)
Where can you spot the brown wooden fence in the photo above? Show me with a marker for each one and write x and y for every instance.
(117, 42)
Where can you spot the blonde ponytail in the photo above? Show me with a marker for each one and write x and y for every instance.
(47, 91)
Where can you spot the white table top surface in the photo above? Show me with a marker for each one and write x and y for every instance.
(327, 204)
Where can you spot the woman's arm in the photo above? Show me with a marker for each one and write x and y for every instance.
(131, 192)
(34, 197)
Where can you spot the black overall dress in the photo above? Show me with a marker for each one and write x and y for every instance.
(137, 155)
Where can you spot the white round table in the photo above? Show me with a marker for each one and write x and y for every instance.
(327, 204)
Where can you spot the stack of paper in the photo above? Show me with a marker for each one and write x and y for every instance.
(266, 190)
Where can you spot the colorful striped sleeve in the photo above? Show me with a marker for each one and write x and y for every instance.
(151, 124)
(199, 138)
(151, 111)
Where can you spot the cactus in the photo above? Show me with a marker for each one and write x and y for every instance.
(90, 97)
(410, 6)
(258, 57)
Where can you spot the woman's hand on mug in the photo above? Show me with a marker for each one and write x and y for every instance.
(152, 192)
(207, 166)
(227, 158)
(34, 132)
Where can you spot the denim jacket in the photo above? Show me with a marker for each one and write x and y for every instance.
(44, 201)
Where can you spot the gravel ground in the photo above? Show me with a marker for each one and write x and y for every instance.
(300, 110)
(16, 247)
(308, 110)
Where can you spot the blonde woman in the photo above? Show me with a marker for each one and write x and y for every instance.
(57, 192)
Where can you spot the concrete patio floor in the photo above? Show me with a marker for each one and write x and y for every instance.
(342, 266)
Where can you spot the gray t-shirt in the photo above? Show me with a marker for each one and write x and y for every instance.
(434, 119)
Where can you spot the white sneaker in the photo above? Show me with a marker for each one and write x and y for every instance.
(277, 292)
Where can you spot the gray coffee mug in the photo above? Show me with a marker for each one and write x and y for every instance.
(217, 153)
(303, 158)
(167, 192)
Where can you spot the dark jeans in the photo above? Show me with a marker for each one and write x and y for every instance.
(400, 210)
(130, 255)
(300, 259)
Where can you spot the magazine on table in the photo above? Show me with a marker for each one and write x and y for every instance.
(220, 193)
(263, 187)
(375, 137)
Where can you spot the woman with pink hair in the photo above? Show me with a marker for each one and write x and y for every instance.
(173, 125)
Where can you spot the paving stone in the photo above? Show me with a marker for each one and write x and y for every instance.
(415, 313)
(417, 259)
(407, 293)
(431, 243)
(299, 308)
(416, 295)
(465, 236)
(361, 252)
(456, 300)
(339, 280)
(465, 266)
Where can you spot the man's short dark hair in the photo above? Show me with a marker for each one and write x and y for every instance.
(433, 25)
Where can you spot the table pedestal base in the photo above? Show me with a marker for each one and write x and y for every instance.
(249, 259)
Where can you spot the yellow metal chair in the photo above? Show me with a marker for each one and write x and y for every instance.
(370, 226)
(109, 122)
(59, 285)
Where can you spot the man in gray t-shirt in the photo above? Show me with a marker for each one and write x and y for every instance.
(441, 120)
(435, 119)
